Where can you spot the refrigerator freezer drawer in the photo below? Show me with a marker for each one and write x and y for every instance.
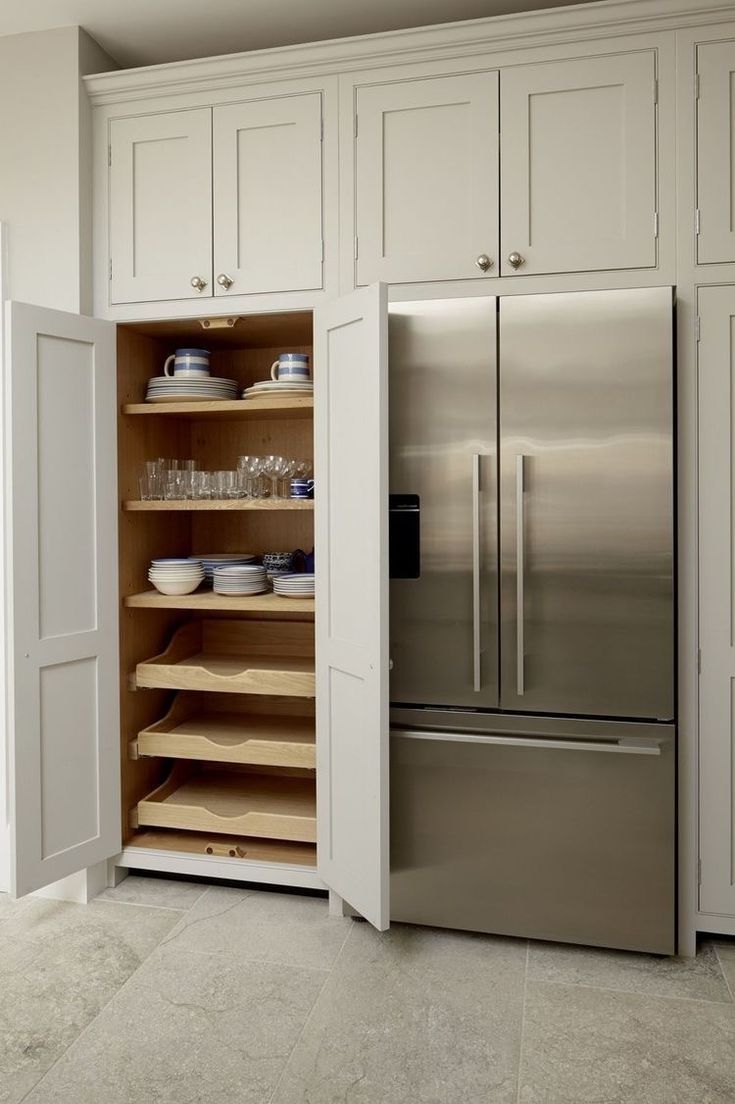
(559, 839)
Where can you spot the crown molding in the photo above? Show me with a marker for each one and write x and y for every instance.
(553, 26)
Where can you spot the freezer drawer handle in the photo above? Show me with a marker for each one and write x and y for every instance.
(476, 640)
(520, 579)
(626, 746)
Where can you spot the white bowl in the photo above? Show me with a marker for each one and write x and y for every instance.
(176, 588)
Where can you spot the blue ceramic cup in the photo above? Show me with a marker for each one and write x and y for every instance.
(188, 363)
(291, 367)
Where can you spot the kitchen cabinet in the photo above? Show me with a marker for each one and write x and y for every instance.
(217, 201)
(160, 219)
(578, 164)
(716, 307)
(426, 179)
(715, 166)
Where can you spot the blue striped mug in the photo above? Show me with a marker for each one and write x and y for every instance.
(188, 363)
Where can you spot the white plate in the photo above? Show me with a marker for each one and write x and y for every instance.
(274, 385)
(167, 381)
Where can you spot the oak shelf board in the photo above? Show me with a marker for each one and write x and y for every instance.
(235, 847)
(266, 505)
(208, 600)
(265, 409)
(213, 736)
(233, 803)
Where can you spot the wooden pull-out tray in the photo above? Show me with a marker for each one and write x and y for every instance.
(245, 657)
(192, 730)
(237, 803)
(231, 847)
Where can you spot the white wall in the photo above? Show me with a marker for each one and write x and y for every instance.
(45, 206)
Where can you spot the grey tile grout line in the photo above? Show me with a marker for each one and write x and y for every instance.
(519, 1070)
(142, 904)
(91, 1023)
(636, 993)
(234, 957)
(724, 972)
(307, 1021)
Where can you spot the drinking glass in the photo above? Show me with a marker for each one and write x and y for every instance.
(289, 471)
(173, 484)
(225, 484)
(150, 481)
(273, 468)
(190, 465)
(303, 468)
(253, 465)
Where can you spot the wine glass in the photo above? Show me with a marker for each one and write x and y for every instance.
(273, 468)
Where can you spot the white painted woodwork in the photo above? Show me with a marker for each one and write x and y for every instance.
(351, 534)
(268, 194)
(717, 599)
(715, 157)
(61, 514)
(160, 205)
(578, 164)
(426, 185)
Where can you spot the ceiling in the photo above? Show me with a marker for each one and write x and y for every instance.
(148, 32)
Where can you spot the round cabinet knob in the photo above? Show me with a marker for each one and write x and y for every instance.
(198, 283)
(225, 281)
(484, 262)
(515, 259)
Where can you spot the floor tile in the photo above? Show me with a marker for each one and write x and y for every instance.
(592, 1046)
(155, 892)
(413, 1016)
(188, 1029)
(700, 978)
(726, 955)
(59, 965)
(262, 927)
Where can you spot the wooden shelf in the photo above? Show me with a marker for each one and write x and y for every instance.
(244, 657)
(257, 739)
(234, 803)
(181, 504)
(234, 847)
(208, 600)
(267, 407)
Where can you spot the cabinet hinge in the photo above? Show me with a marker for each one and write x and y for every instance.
(696, 86)
(655, 224)
(109, 155)
(696, 221)
(109, 269)
(697, 328)
(355, 248)
(355, 125)
(655, 91)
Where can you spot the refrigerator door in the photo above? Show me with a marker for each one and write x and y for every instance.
(443, 517)
(540, 833)
(587, 503)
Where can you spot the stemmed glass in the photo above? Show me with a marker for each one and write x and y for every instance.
(274, 468)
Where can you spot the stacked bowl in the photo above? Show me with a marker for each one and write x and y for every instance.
(175, 576)
(240, 579)
(211, 562)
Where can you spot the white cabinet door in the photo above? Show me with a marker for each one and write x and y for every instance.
(716, 376)
(578, 164)
(426, 188)
(61, 542)
(715, 163)
(161, 206)
(268, 195)
(351, 531)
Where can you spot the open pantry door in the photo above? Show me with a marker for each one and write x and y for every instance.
(351, 531)
(61, 593)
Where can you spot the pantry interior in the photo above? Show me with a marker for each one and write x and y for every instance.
(217, 717)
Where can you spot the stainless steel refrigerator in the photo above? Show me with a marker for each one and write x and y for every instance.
(533, 615)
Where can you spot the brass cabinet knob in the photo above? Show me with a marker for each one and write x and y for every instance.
(225, 281)
(515, 259)
(484, 262)
(198, 283)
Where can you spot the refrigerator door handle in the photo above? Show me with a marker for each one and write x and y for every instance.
(625, 746)
(520, 577)
(476, 638)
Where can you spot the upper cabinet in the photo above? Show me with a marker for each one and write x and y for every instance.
(217, 201)
(160, 206)
(715, 163)
(578, 165)
(426, 179)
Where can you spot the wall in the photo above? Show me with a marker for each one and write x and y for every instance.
(45, 202)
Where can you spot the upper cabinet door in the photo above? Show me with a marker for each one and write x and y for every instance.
(351, 530)
(63, 671)
(715, 164)
(161, 206)
(268, 195)
(578, 165)
(427, 179)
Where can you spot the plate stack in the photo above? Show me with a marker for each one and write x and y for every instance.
(240, 579)
(171, 576)
(294, 586)
(178, 389)
(275, 387)
(210, 563)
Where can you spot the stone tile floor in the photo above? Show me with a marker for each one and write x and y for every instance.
(181, 993)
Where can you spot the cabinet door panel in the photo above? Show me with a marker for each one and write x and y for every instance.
(268, 195)
(578, 164)
(63, 672)
(715, 157)
(716, 376)
(161, 206)
(351, 531)
(427, 178)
